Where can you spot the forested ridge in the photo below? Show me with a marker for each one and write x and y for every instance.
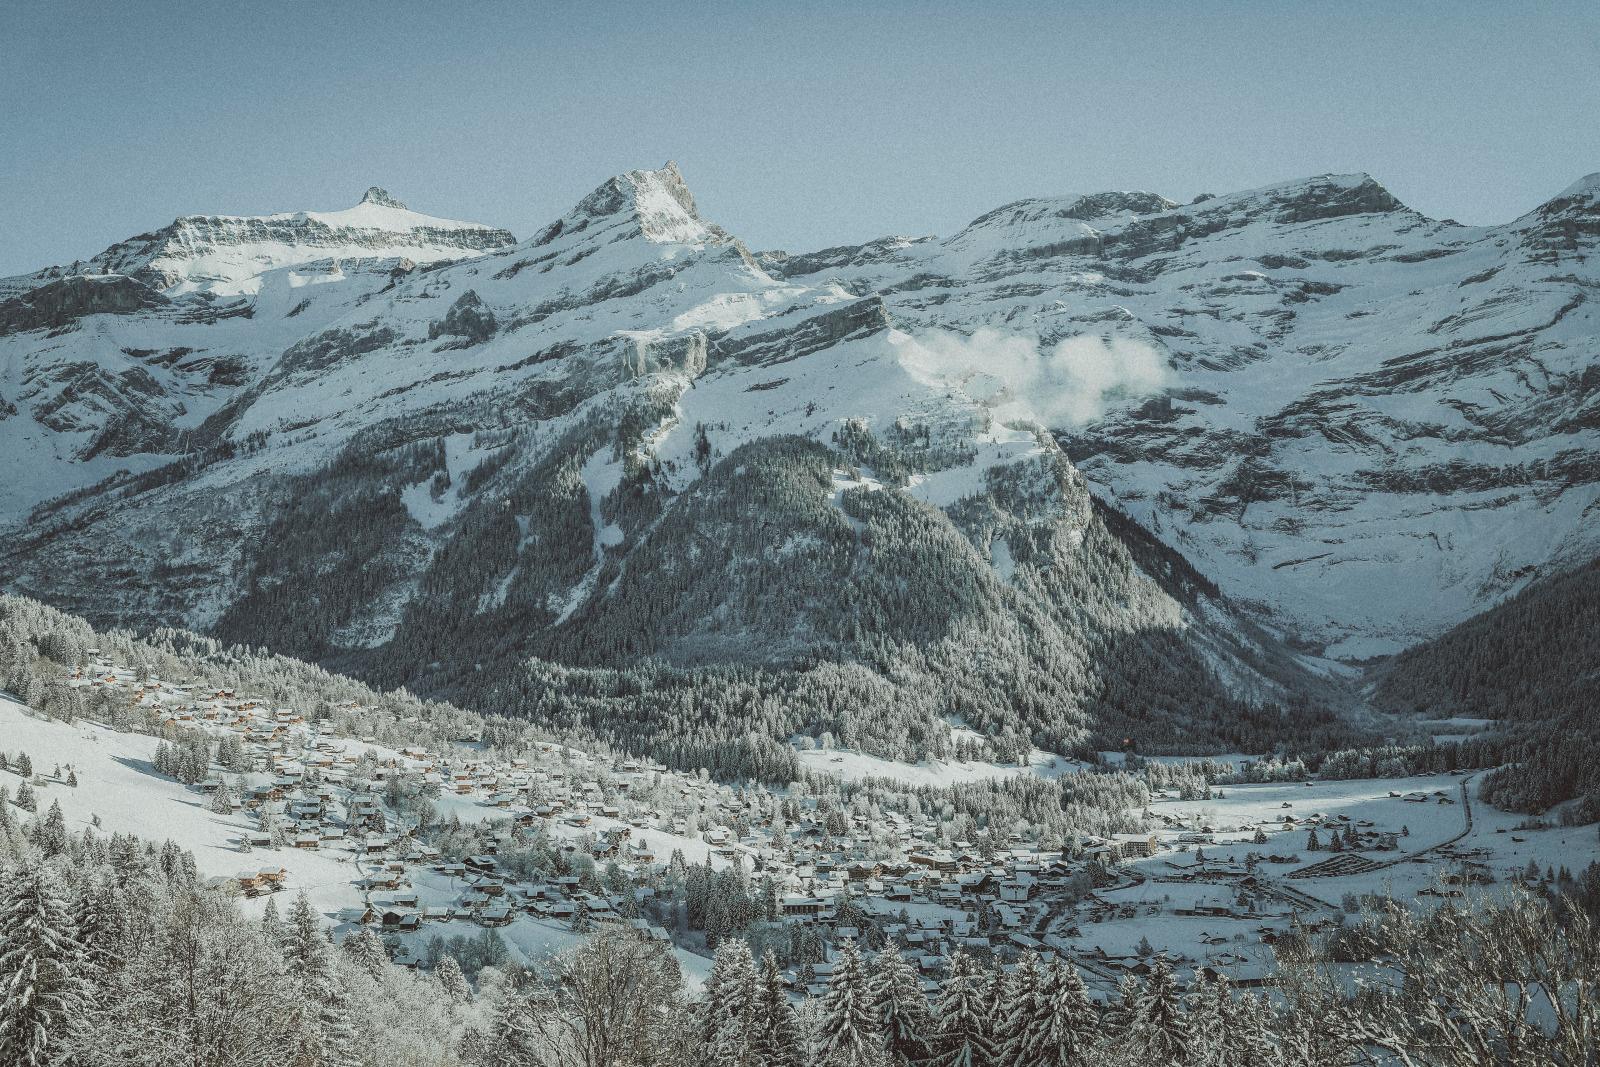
(1533, 663)
(759, 601)
(1535, 657)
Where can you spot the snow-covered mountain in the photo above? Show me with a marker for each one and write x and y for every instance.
(620, 442)
(1370, 423)
(226, 255)
(629, 444)
(115, 360)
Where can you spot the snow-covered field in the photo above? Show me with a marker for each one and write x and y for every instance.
(851, 765)
(1432, 850)
(118, 785)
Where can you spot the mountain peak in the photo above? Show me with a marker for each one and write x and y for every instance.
(380, 196)
(1112, 203)
(1321, 196)
(1586, 187)
(225, 254)
(658, 201)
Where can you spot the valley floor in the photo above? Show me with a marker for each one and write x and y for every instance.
(1213, 885)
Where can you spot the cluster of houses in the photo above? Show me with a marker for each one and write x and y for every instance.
(301, 789)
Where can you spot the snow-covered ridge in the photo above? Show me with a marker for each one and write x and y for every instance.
(653, 204)
(1360, 400)
(227, 254)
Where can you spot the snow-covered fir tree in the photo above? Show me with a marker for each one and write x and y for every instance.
(779, 1039)
(963, 1017)
(44, 971)
(728, 1023)
(1160, 1028)
(902, 1009)
(848, 1033)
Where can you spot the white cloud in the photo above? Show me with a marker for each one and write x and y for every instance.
(1073, 383)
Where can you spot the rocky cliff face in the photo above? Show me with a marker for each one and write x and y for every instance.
(58, 304)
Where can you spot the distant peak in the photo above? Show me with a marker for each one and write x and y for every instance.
(1586, 186)
(1322, 196)
(380, 196)
(657, 201)
(1105, 205)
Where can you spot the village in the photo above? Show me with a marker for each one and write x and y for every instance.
(532, 853)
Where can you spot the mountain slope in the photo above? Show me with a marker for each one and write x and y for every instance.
(625, 455)
(114, 365)
(1370, 424)
(627, 473)
(1532, 663)
(1534, 657)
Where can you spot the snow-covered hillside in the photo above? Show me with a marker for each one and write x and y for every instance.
(622, 439)
(118, 790)
(629, 440)
(1371, 423)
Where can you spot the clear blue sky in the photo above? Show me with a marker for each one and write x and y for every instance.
(798, 124)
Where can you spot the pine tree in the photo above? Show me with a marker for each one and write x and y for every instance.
(778, 1040)
(1212, 1023)
(326, 1034)
(221, 801)
(52, 832)
(1068, 1016)
(365, 949)
(24, 765)
(1159, 1028)
(101, 918)
(727, 1024)
(1122, 1016)
(304, 946)
(25, 798)
(963, 1019)
(271, 924)
(1312, 842)
(1023, 1025)
(847, 1032)
(994, 1008)
(44, 991)
(902, 1010)
(454, 983)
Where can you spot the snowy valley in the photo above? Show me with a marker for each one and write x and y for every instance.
(970, 647)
